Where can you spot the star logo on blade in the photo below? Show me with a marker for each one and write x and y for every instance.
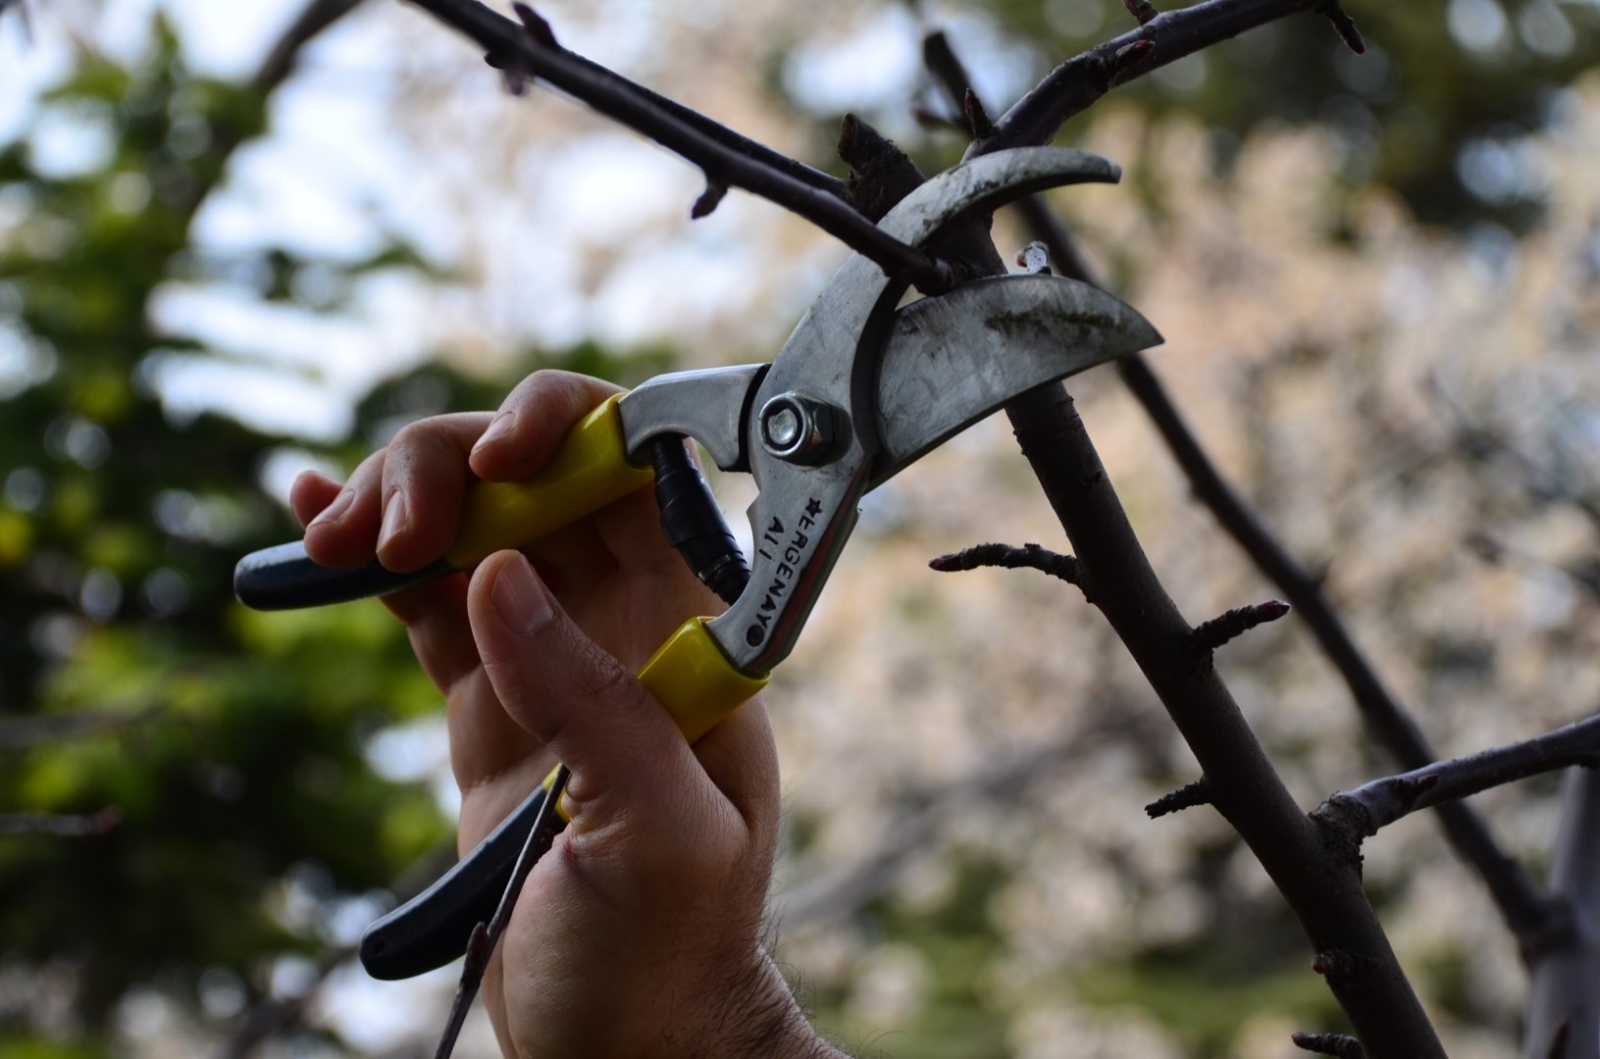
(814, 508)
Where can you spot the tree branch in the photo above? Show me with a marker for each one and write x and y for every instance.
(727, 158)
(1361, 812)
(1076, 84)
(1323, 890)
(1527, 913)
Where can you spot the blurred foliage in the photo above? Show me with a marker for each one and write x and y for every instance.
(229, 747)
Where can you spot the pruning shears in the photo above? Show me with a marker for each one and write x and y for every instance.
(860, 391)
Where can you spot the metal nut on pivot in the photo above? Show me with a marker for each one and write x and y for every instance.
(796, 428)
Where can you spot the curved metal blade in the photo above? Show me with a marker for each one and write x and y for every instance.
(952, 360)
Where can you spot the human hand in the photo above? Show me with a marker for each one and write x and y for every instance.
(638, 934)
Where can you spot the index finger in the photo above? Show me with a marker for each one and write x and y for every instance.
(532, 421)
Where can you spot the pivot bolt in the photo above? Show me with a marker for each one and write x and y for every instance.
(797, 429)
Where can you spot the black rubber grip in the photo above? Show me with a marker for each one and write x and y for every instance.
(285, 578)
(432, 928)
(693, 522)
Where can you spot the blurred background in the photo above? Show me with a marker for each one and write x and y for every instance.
(1379, 278)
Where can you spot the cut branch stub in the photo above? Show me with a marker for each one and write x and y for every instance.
(1235, 623)
(1189, 796)
(1337, 1045)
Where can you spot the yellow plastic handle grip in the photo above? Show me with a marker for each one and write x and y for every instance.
(588, 471)
(694, 680)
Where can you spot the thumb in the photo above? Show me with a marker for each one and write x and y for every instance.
(561, 686)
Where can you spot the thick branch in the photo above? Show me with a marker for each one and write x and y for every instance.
(1323, 889)
(1362, 811)
(1526, 911)
(727, 158)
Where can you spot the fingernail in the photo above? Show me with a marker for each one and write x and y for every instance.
(519, 598)
(499, 428)
(396, 517)
(335, 511)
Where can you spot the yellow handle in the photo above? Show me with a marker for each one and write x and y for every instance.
(694, 680)
(588, 471)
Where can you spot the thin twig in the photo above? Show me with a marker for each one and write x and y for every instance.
(1189, 796)
(726, 158)
(481, 946)
(1076, 84)
(280, 61)
(1209, 636)
(1337, 1045)
(1010, 557)
(1363, 810)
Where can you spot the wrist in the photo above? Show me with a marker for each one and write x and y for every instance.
(765, 1021)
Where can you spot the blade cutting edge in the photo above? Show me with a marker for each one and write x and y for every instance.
(952, 360)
